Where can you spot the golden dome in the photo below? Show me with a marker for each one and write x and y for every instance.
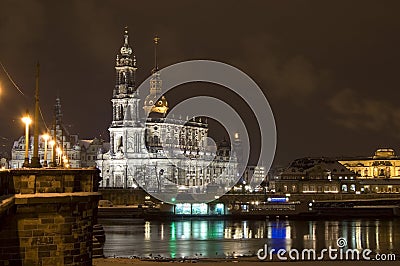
(161, 106)
(153, 104)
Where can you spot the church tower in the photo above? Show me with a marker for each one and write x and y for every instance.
(155, 102)
(125, 97)
(126, 128)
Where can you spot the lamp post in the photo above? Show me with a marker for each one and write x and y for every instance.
(27, 121)
(52, 145)
(64, 160)
(59, 154)
(46, 138)
(35, 161)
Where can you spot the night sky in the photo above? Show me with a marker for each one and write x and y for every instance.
(328, 68)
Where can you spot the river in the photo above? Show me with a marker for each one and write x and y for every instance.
(212, 238)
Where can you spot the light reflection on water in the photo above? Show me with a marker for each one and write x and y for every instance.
(218, 238)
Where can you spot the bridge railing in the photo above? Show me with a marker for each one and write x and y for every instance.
(31, 181)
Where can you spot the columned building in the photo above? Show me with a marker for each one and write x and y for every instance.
(360, 175)
(383, 164)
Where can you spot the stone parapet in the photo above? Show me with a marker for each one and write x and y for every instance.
(50, 221)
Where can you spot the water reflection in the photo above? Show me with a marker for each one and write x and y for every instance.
(218, 238)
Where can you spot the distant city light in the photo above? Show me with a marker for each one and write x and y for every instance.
(277, 199)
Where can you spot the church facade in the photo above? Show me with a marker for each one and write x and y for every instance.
(159, 154)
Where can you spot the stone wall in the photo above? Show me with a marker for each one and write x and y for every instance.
(123, 196)
(52, 218)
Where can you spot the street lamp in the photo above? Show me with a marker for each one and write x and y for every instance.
(27, 121)
(59, 153)
(46, 138)
(53, 160)
(65, 161)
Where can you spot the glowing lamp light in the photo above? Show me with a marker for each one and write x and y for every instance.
(27, 120)
(46, 137)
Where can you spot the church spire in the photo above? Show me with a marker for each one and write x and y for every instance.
(125, 68)
(126, 50)
(155, 102)
(57, 112)
(156, 40)
(126, 35)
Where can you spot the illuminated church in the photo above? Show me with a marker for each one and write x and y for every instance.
(141, 147)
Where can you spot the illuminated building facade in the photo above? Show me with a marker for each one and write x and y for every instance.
(3, 163)
(375, 174)
(384, 164)
(315, 175)
(68, 153)
(379, 173)
(90, 148)
(167, 155)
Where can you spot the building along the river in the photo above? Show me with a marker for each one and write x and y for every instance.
(141, 147)
(376, 174)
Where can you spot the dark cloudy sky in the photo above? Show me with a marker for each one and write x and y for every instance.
(329, 68)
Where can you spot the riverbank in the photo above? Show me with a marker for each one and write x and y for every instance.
(222, 262)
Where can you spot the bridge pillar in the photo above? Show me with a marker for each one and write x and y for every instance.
(50, 216)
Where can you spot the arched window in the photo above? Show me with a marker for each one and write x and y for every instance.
(121, 112)
(120, 144)
(116, 112)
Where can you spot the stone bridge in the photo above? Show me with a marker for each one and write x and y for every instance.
(47, 216)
